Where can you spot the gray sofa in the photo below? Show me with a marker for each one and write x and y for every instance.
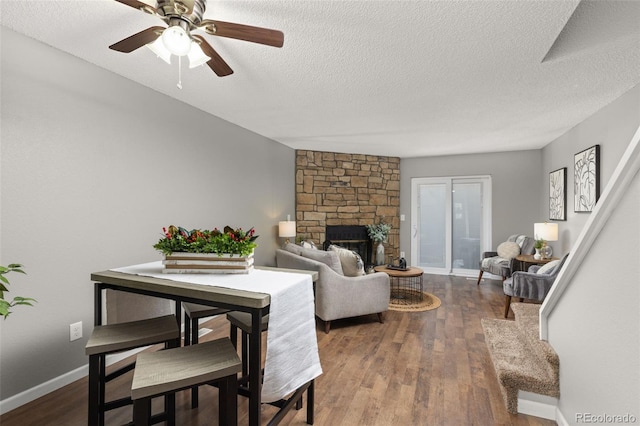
(337, 296)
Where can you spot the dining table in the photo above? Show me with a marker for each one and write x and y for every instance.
(292, 361)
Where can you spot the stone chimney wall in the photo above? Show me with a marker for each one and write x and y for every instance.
(346, 189)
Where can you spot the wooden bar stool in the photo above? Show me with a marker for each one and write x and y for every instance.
(242, 320)
(192, 315)
(112, 338)
(166, 372)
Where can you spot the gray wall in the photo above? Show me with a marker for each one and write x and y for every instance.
(612, 128)
(516, 191)
(595, 326)
(92, 169)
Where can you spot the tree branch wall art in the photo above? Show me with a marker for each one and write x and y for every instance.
(558, 194)
(586, 181)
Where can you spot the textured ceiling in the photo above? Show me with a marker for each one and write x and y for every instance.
(401, 78)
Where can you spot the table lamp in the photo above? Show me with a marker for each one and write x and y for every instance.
(545, 232)
(287, 229)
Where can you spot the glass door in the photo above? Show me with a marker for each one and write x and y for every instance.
(450, 223)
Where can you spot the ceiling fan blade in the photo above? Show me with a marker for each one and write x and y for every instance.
(138, 5)
(259, 35)
(216, 63)
(135, 41)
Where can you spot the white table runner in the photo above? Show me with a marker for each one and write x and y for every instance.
(292, 348)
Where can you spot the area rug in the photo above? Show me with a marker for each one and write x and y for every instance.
(429, 302)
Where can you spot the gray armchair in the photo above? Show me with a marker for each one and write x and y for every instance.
(338, 296)
(533, 284)
(504, 266)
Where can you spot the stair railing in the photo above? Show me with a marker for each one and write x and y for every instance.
(623, 175)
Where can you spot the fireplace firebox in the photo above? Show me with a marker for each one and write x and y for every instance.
(352, 237)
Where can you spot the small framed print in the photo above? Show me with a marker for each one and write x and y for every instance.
(558, 194)
(586, 180)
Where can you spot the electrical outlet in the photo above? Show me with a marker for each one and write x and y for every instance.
(75, 331)
(401, 218)
(401, 254)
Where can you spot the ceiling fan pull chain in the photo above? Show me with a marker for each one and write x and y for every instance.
(179, 72)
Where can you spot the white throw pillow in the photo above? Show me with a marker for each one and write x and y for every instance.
(508, 250)
(308, 244)
(545, 269)
(352, 264)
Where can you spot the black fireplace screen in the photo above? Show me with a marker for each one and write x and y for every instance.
(352, 237)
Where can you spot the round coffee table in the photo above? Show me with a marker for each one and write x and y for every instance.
(406, 285)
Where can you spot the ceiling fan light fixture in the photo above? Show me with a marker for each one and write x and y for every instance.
(176, 40)
(197, 56)
(161, 52)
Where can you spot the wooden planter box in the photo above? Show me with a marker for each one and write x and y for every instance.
(207, 263)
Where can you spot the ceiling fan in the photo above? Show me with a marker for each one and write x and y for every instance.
(182, 17)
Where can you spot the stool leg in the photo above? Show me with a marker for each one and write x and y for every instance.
(101, 391)
(94, 390)
(142, 412)
(170, 408)
(245, 354)
(194, 339)
(233, 335)
(187, 330)
(310, 398)
(228, 401)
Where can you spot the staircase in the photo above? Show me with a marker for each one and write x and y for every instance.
(521, 360)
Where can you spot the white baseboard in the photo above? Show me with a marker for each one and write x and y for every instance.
(56, 383)
(560, 419)
(537, 405)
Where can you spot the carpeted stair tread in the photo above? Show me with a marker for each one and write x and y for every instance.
(521, 361)
(528, 320)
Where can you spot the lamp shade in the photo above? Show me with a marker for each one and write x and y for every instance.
(161, 52)
(196, 56)
(545, 231)
(286, 229)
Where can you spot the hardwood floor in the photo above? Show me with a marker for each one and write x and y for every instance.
(419, 368)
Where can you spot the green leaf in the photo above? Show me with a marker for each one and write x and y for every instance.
(26, 301)
(4, 308)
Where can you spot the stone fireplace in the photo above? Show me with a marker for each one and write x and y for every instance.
(334, 190)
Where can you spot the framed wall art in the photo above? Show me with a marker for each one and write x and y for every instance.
(558, 194)
(586, 181)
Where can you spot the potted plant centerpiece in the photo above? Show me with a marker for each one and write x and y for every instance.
(207, 251)
(379, 234)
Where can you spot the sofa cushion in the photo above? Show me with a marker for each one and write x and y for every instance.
(329, 258)
(351, 262)
(508, 250)
(548, 268)
(293, 248)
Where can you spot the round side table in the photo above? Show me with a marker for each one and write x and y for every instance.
(527, 260)
(406, 285)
